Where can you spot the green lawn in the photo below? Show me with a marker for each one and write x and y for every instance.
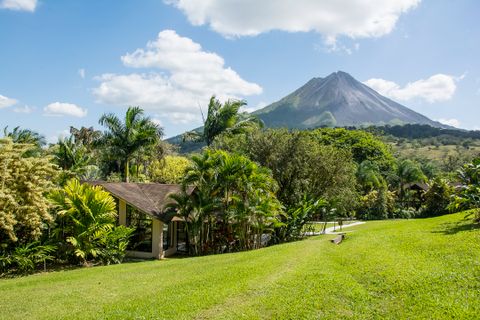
(425, 269)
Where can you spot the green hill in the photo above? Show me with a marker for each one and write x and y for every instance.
(405, 269)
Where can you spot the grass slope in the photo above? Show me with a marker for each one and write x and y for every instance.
(428, 269)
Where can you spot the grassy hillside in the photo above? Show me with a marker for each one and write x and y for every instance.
(427, 268)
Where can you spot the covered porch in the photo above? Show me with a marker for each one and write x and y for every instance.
(141, 206)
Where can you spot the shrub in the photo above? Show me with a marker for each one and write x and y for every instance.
(24, 181)
(86, 220)
(25, 258)
(377, 204)
(171, 169)
(437, 198)
(468, 197)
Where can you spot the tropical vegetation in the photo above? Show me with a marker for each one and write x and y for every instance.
(246, 187)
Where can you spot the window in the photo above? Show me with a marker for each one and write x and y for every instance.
(166, 235)
(141, 240)
(181, 238)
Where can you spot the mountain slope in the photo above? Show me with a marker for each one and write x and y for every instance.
(338, 100)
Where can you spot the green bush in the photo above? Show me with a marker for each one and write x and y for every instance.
(86, 221)
(376, 204)
(468, 197)
(437, 198)
(25, 258)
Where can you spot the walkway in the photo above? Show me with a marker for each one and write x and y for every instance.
(330, 230)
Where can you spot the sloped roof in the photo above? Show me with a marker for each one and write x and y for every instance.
(417, 185)
(150, 198)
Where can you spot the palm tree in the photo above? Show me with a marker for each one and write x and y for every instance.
(125, 139)
(223, 118)
(25, 136)
(369, 176)
(85, 136)
(408, 172)
(233, 203)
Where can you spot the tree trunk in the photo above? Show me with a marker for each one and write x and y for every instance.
(127, 170)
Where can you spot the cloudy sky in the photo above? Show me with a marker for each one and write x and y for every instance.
(67, 62)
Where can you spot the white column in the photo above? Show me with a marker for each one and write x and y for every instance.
(122, 212)
(157, 239)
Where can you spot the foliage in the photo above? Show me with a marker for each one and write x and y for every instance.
(416, 131)
(76, 160)
(437, 198)
(369, 176)
(296, 218)
(468, 196)
(24, 181)
(170, 169)
(408, 172)
(25, 258)
(26, 136)
(86, 220)
(363, 146)
(232, 205)
(223, 118)
(300, 165)
(405, 213)
(377, 203)
(88, 137)
(123, 140)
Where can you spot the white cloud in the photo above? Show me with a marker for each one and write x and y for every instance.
(158, 122)
(58, 135)
(6, 102)
(450, 122)
(437, 88)
(331, 18)
(81, 73)
(25, 109)
(61, 109)
(19, 5)
(188, 77)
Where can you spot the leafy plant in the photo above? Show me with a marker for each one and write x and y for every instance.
(25, 258)
(296, 218)
(468, 197)
(437, 198)
(86, 219)
(170, 169)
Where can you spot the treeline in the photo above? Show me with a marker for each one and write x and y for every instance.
(421, 131)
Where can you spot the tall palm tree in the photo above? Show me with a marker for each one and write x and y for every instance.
(125, 138)
(223, 118)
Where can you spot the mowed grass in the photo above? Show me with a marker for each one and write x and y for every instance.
(415, 269)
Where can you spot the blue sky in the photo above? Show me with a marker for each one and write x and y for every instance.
(67, 62)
